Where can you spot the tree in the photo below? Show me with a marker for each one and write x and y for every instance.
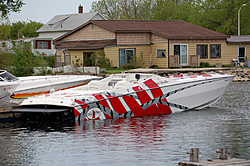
(172, 10)
(7, 6)
(15, 30)
(19, 29)
(123, 9)
(222, 16)
(5, 31)
(20, 61)
(30, 28)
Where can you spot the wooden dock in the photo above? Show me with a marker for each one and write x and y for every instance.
(218, 162)
(5, 109)
(222, 161)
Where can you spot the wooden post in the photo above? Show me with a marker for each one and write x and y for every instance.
(194, 155)
(223, 153)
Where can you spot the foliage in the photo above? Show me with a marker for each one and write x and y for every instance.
(87, 61)
(19, 29)
(114, 70)
(172, 10)
(128, 66)
(137, 62)
(50, 60)
(123, 9)
(7, 6)
(20, 61)
(154, 66)
(30, 28)
(204, 64)
(220, 16)
(99, 59)
(5, 31)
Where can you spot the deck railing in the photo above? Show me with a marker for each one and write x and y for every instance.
(193, 61)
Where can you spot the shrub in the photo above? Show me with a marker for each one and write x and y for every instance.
(20, 61)
(99, 59)
(154, 66)
(50, 60)
(204, 64)
(128, 66)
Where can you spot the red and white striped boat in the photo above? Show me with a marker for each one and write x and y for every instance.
(129, 95)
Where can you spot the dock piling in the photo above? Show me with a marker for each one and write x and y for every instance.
(223, 153)
(194, 155)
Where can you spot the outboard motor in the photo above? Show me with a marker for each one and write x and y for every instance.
(137, 76)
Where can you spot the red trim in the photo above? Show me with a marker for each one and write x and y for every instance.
(48, 41)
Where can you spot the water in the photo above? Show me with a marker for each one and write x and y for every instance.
(149, 140)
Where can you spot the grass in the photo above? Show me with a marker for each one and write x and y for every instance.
(114, 70)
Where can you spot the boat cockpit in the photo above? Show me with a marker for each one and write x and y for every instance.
(6, 76)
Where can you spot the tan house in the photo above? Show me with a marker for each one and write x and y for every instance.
(162, 43)
(240, 47)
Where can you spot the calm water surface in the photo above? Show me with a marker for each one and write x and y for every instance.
(150, 140)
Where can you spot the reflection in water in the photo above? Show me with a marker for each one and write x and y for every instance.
(149, 140)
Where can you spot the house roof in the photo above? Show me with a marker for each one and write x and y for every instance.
(170, 29)
(68, 22)
(239, 39)
(86, 44)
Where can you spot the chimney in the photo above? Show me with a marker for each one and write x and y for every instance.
(80, 9)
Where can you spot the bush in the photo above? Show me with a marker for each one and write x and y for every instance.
(20, 61)
(99, 59)
(204, 64)
(50, 60)
(128, 66)
(154, 66)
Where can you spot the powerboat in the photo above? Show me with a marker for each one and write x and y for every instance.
(130, 95)
(8, 84)
(37, 85)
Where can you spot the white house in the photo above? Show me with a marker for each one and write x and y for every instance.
(60, 25)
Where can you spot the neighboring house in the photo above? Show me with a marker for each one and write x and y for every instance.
(163, 43)
(240, 47)
(59, 25)
(5, 45)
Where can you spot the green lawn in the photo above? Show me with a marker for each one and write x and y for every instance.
(114, 70)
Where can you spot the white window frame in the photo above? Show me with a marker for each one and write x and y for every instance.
(164, 50)
(180, 53)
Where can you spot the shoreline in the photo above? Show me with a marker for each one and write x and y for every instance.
(241, 74)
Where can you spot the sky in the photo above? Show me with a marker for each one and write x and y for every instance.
(44, 10)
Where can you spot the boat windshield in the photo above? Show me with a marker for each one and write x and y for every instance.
(4, 75)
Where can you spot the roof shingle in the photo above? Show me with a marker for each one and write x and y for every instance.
(85, 44)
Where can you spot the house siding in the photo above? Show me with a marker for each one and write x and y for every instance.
(78, 55)
(113, 54)
(158, 39)
(160, 62)
(133, 38)
(228, 52)
(87, 33)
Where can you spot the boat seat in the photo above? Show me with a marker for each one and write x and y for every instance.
(121, 84)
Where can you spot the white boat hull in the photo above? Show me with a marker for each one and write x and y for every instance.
(151, 96)
(37, 85)
(8, 84)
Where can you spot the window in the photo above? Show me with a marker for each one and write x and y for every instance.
(42, 45)
(4, 44)
(202, 50)
(161, 53)
(215, 51)
(177, 49)
(93, 26)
